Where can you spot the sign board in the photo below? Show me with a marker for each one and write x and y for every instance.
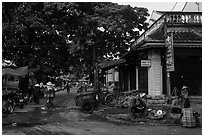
(170, 53)
(145, 63)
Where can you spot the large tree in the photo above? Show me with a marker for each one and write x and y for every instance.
(61, 36)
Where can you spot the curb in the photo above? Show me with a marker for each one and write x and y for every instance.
(129, 121)
(23, 124)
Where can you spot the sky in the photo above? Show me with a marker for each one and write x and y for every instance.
(160, 6)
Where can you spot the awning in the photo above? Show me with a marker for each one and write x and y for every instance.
(111, 64)
(17, 72)
(33, 70)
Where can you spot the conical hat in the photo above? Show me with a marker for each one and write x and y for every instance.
(37, 85)
(49, 83)
(184, 87)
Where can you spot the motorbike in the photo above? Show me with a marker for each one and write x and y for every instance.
(7, 104)
(18, 100)
(89, 100)
(49, 102)
(26, 98)
(49, 99)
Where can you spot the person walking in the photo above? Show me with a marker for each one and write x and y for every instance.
(67, 87)
(36, 94)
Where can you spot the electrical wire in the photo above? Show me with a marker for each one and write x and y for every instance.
(174, 6)
(184, 6)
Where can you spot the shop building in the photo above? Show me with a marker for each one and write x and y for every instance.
(166, 56)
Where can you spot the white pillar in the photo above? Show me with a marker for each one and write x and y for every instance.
(136, 78)
(155, 73)
(128, 80)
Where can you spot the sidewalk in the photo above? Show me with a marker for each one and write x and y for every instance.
(121, 115)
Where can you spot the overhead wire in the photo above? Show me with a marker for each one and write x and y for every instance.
(184, 6)
(174, 6)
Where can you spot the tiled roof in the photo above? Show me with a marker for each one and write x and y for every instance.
(175, 45)
(179, 36)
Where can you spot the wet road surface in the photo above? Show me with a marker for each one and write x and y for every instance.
(66, 119)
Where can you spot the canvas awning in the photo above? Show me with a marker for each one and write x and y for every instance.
(33, 70)
(16, 72)
(111, 64)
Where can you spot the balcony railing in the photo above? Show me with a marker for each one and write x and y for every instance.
(183, 17)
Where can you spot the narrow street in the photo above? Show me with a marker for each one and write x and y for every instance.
(67, 119)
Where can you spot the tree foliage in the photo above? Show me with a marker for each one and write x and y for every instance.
(61, 36)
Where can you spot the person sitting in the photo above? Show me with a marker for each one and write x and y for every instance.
(178, 103)
(188, 116)
(184, 92)
(137, 106)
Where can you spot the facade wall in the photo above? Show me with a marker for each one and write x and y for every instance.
(155, 73)
(112, 78)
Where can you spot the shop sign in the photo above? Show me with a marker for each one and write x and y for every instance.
(169, 53)
(145, 63)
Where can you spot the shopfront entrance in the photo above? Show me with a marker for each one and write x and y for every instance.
(188, 71)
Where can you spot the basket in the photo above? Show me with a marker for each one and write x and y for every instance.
(155, 116)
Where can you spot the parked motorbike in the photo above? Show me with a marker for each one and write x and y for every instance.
(26, 98)
(7, 104)
(18, 100)
(88, 101)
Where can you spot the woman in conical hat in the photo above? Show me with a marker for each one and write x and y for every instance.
(49, 83)
(36, 94)
(184, 87)
(37, 85)
(49, 94)
(184, 92)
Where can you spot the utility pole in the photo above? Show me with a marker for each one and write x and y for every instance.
(95, 65)
(169, 58)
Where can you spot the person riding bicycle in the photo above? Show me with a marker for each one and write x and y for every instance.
(49, 94)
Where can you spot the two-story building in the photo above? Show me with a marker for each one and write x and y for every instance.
(167, 55)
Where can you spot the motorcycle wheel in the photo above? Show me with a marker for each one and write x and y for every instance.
(10, 109)
(88, 107)
(110, 100)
